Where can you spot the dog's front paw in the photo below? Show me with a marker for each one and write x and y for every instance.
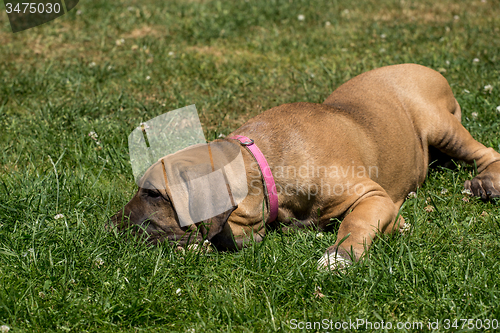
(333, 261)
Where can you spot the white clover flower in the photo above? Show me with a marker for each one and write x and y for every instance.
(429, 208)
(456, 17)
(447, 62)
(498, 108)
(178, 292)
(99, 262)
(148, 78)
(406, 229)
(92, 64)
(327, 24)
(207, 246)
(301, 17)
(488, 88)
(383, 36)
(144, 125)
(78, 12)
(474, 115)
(475, 60)
(411, 195)
(171, 53)
(466, 191)
(58, 216)
(318, 293)
(4, 329)
(444, 191)
(119, 41)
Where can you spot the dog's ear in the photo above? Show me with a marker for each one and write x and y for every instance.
(213, 226)
(207, 195)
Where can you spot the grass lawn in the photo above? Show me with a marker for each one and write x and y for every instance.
(108, 65)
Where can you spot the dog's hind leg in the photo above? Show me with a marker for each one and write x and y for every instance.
(453, 139)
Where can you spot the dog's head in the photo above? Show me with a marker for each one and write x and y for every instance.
(159, 212)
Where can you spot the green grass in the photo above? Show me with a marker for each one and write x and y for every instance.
(64, 79)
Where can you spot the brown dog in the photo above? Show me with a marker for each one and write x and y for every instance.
(355, 157)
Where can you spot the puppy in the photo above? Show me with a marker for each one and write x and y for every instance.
(355, 157)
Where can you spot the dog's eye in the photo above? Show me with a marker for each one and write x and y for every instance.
(153, 193)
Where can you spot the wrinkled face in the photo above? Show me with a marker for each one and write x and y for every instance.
(205, 183)
(152, 210)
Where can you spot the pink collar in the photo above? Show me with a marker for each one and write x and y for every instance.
(266, 174)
